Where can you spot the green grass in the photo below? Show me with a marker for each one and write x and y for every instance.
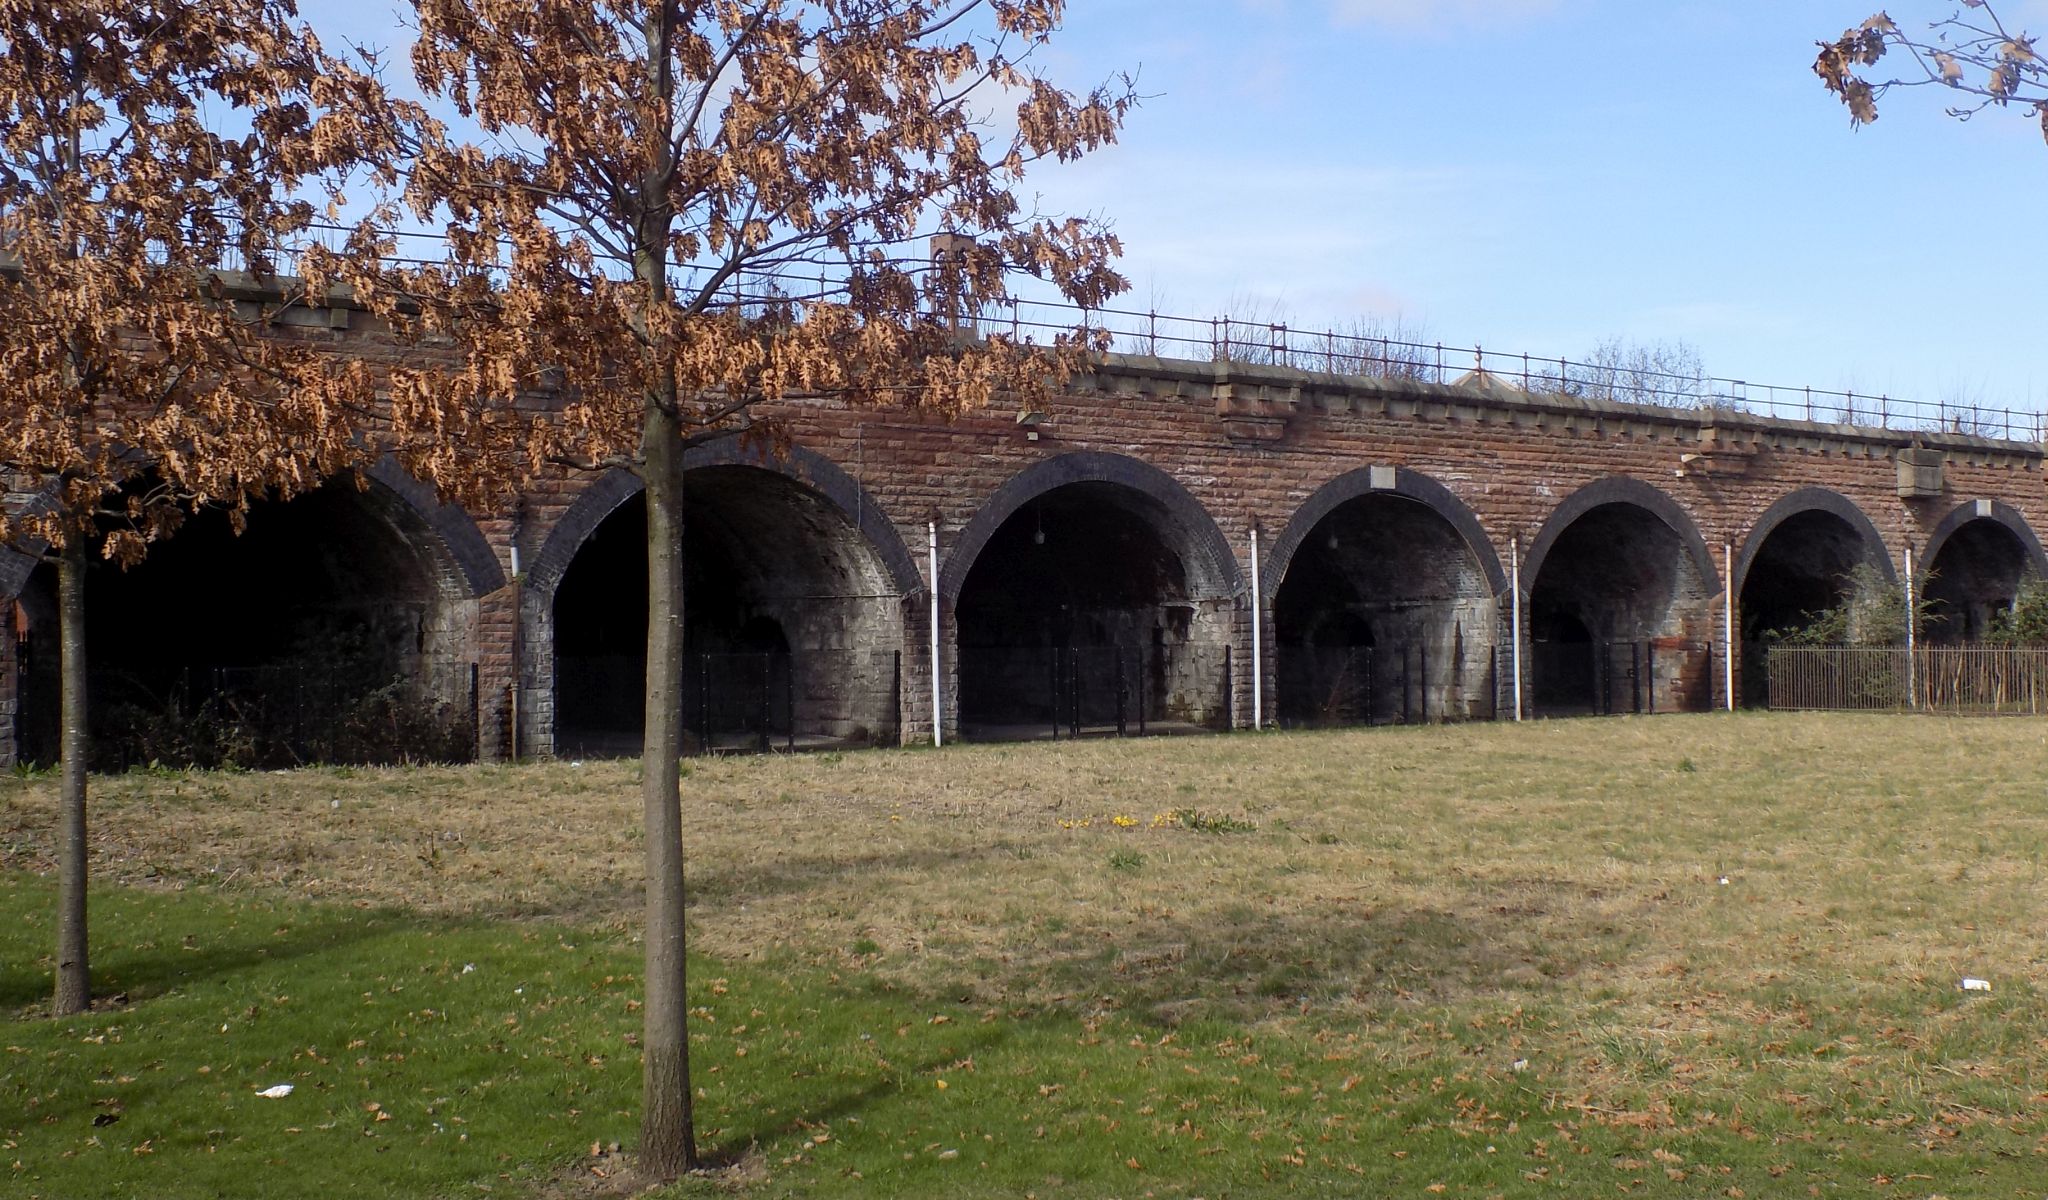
(1496, 961)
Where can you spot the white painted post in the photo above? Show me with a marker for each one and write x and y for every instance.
(1728, 622)
(1912, 683)
(938, 703)
(1258, 643)
(1515, 611)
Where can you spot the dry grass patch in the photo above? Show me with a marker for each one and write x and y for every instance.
(1556, 885)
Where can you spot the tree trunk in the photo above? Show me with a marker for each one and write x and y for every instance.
(668, 1142)
(668, 1132)
(74, 976)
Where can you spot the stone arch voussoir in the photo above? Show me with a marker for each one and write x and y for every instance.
(1411, 485)
(806, 467)
(1621, 489)
(1196, 527)
(1997, 511)
(1813, 499)
(456, 530)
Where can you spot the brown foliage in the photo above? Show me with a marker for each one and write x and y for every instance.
(1972, 53)
(698, 206)
(674, 210)
(150, 151)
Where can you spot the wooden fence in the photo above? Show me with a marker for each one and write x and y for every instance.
(1976, 680)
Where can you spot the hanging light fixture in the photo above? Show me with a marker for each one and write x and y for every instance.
(1038, 533)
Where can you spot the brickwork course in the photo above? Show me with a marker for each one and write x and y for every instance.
(1113, 531)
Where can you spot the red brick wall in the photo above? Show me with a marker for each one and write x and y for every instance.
(1249, 446)
(1250, 453)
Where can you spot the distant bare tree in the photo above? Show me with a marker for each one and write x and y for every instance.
(1262, 333)
(1669, 374)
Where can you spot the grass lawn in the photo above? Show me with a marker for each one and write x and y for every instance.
(1679, 956)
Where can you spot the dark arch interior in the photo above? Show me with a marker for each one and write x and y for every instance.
(1975, 576)
(791, 625)
(1618, 617)
(1083, 596)
(1384, 614)
(321, 633)
(1805, 567)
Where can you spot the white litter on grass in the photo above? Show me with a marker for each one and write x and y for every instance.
(468, 967)
(1972, 984)
(1521, 1064)
(276, 1091)
(1724, 881)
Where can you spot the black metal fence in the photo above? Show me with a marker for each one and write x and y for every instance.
(784, 701)
(1357, 685)
(1126, 691)
(736, 702)
(1961, 680)
(1597, 679)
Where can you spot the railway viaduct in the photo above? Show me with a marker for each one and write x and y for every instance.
(1152, 533)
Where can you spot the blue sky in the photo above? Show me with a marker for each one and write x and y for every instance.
(1543, 175)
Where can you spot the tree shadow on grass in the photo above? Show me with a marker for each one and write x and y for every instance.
(796, 874)
(714, 886)
(144, 974)
(1243, 960)
(733, 1148)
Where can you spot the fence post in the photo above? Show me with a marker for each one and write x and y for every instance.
(1728, 626)
(1912, 620)
(704, 704)
(1422, 669)
(1120, 692)
(476, 724)
(1635, 677)
(1052, 690)
(1650, 677)
(1404, 684)
(1074, 691)
(1515, 617)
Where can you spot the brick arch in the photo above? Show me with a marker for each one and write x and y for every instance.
(1813, 499)
(456, 530)
(1197, 529)
(806, 467)
(1996, 511)
(1408, 484)
(1621, 489)
(589, 510)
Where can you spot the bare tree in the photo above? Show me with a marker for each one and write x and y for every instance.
(1264, 332)
(1668, 374)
